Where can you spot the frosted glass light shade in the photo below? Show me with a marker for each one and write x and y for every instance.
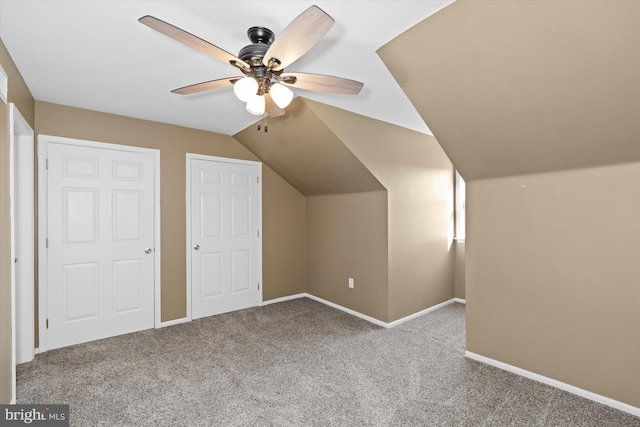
(255, 105)
(281, 95)
(245, 88)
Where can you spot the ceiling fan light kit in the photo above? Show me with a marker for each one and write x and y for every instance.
(281, 95)
(245, 87)
(256, 104)
(264, 85)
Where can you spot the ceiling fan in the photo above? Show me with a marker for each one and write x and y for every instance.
(264, 85)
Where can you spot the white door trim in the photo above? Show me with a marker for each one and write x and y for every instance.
(22, 245)
(191, 156)
(43, 140)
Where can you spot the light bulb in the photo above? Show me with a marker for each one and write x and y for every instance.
(255, 105)
(245, 88)
(281, 95)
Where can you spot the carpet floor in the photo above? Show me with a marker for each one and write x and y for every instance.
(297, 363)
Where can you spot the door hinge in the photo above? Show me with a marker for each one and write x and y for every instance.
(258, 233)
(258, 179)
(258, 286)
(47, 323)
(46, 243)
(46, 164)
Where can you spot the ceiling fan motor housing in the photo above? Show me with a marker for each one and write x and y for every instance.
(261, 38)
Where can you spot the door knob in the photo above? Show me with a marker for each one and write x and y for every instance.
(196, 247)
(147, 251)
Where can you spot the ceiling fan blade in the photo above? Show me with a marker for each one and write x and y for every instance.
(299, 36)
(322, 83)
(271, 108)
(192, 41)
(204, 86)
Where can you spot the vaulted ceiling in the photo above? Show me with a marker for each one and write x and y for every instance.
(506, 87)
(304, 150)
(517, 87)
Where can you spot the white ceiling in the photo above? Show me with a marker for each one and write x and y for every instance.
(96, 55)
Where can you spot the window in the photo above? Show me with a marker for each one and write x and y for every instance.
(460, 208)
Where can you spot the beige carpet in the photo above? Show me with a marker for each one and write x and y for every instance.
(297, 363)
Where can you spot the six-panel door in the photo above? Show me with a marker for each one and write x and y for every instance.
(101, 241)
(224, 236)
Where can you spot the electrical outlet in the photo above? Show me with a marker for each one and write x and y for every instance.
(351, 282)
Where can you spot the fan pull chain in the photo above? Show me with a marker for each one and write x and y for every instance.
(266, 128)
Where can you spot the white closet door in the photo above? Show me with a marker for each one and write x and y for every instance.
(101, 241)
(224, 223)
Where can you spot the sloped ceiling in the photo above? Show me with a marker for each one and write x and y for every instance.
(385, 149)
(307, 154)
(517, 87)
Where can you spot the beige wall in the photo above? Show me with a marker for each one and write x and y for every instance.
(418, 177)
(19, 94)
(324, 150)
(347, 237)
(308, 147)
(460, 285)
(553, 276)
(540, 87)
(174, 142)
(283, 226)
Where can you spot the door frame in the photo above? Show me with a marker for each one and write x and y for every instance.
(258, 165)
(43, 141)
(22, 245)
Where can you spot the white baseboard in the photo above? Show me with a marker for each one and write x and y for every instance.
(460, 300)
(420, 313)
(555, 383)
(374, 320)
(173, 322)
(271, 301)
(348, 310)
(338, 307)
(330, 304)
(283, 299)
